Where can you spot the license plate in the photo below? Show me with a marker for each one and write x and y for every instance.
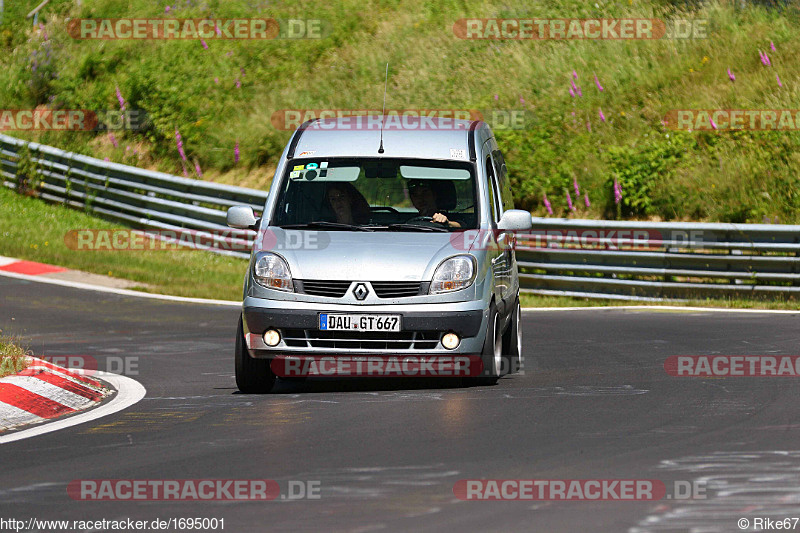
(336, 322)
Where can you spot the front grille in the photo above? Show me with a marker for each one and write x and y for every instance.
(330, 289)
(361, 340)
(396, 289)
(337, 289)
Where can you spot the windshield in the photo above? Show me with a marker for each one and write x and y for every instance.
(377, 195)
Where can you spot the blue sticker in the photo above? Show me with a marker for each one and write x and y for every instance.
(312, 165)
(323, 321)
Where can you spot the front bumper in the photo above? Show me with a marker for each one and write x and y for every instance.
(419, 321)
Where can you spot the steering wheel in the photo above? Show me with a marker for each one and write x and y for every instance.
(426, 221)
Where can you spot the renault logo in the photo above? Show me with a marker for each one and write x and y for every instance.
(361, 291)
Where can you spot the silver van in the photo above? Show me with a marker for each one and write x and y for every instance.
(386, 241)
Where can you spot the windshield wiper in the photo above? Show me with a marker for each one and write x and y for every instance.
(326, 225)
(414, 227)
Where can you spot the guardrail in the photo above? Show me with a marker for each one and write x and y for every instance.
(134, 196)
(659, 260)
(585, 258)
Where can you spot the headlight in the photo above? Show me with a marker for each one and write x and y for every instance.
(272, 272)
(453, 274)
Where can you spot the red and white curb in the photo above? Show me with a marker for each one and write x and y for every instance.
(44, 392)
(28, 268)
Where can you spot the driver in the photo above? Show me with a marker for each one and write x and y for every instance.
(426, 199)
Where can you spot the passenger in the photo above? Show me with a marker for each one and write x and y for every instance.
(431, 197)
(347, 204)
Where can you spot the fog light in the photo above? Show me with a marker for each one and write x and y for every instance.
(450, 341)
(272, 337)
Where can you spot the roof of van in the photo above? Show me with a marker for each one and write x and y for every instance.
(417, 137)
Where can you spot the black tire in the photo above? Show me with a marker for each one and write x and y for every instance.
(492, 367)
(253, 376)
(512, 340)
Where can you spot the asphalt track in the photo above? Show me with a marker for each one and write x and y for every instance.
(594, 403)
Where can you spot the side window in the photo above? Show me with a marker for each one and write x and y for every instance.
(491, 183)
(505, 184)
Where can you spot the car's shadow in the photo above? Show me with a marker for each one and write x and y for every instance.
(363, 384)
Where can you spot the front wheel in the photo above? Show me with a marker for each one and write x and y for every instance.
(492, 355)
(253, 376)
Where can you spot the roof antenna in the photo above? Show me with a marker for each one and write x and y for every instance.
(383, 116)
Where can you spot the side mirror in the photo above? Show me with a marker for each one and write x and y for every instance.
(241, 217)
(515, 220)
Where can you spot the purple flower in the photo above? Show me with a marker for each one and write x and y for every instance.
(113, 139)
(44, 32)
(571, 93)
(230, 53)
(731, 75)
(521, 100)
(495, 97)
(772, 46)
(197, 169)
(219, 33)
(121, 100)
(547, 204)
(586, 199)
(236, 153)
(569, 202)
(180, 145)
(203, 42)
(106, 159)
(166, 9)
(711, 121)
(766, 58)
(241, 69)
(602, 116)
(572, 83)
(617, 191)
(580, 93)
(597, 82)
(577, 189)
(216, 80)
(779, 80)
(574, 74)
(589, 126)
(238, 84)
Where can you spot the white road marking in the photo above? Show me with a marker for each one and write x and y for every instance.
(121, 292)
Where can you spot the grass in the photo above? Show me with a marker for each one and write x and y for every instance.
(12, 357)
(711, 176)
(34, 230)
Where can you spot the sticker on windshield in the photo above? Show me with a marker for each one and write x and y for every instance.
(311, 166)
(324, 164)
(307, 152)
(299, 167)
(458, 153)
(294, 175)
